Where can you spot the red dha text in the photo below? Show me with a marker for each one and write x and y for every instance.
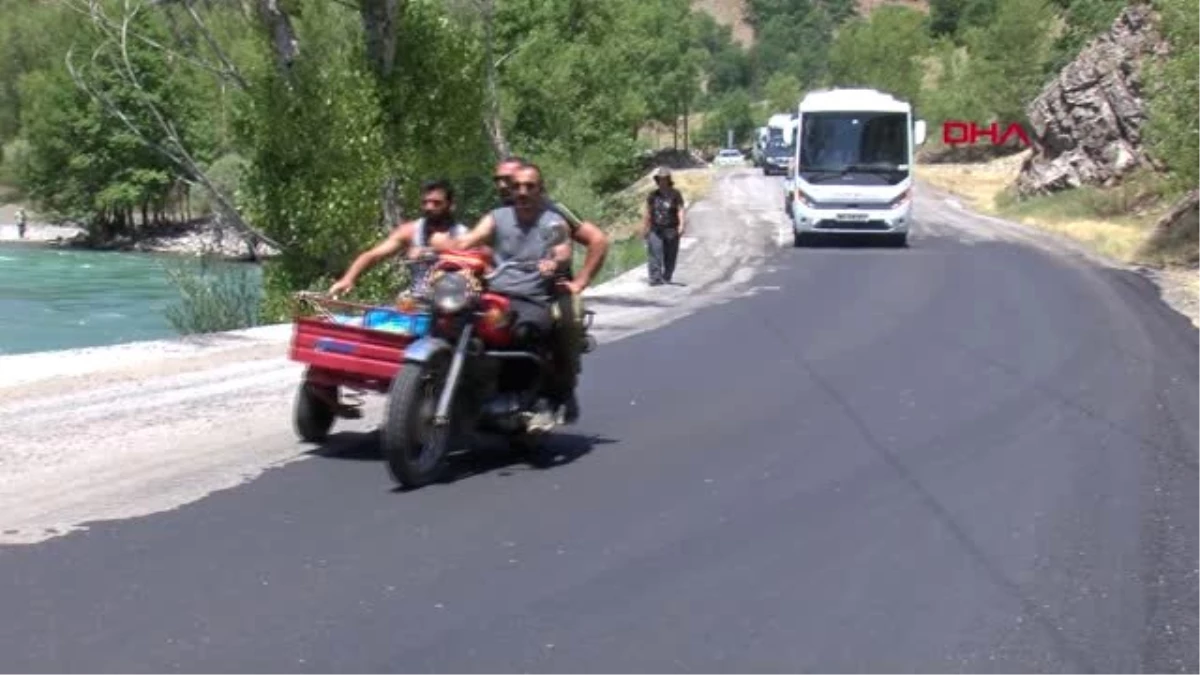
(958, 133)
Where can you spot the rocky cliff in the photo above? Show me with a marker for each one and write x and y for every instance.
(1087, 122)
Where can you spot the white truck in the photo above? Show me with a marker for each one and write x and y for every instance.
(851, 170)
(779, 129)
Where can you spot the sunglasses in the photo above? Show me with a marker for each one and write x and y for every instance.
(525, 186)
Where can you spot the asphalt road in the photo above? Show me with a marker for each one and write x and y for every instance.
(968, 456)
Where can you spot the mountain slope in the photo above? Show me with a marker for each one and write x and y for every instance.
(732, 13)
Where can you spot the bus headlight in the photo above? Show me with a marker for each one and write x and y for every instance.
(901, 199)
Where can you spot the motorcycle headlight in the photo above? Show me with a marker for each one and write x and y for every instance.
(451, 292)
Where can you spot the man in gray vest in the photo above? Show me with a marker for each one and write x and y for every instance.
(516, 233)
(569, 327)
(435, 230)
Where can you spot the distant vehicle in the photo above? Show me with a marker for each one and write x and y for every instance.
(729, 157)
(853, 164)
(779, 129)
(775, 159)
(760, 142)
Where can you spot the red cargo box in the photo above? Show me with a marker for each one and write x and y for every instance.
(346, 354)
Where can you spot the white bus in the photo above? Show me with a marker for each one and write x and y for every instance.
(852, 168)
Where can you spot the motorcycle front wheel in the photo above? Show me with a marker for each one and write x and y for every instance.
(414, 447)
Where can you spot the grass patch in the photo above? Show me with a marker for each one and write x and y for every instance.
(214, 296)
(978, 184)
(1114, 222)
(623, 255)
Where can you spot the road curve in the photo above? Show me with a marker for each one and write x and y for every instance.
(969, 455)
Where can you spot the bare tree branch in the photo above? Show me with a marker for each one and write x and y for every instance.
(283, 35)
(172, 147)
(109, 27)
(182, 157)
(493, 122)
(381, 28)
(230, 69)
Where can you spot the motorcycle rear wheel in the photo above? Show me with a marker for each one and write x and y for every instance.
(313, 415)
(414, 448)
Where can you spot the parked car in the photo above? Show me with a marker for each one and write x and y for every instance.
(729, 157)
(776, 159)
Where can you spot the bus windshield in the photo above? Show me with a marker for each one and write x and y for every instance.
(862, 147)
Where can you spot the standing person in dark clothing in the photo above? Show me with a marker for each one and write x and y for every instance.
(662, 227)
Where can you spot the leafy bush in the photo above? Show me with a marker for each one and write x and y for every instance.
(214, 296)
(227, 173)
(1173, 130)
(315, 143)
(12, 156)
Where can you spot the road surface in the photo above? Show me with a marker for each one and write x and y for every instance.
(975, 454)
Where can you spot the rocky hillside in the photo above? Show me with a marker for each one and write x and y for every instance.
(1088, 121)
(732, 12)
(729, 13)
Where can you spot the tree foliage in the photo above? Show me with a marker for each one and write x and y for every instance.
(1174, 126)
(884, 51)
(321, 147)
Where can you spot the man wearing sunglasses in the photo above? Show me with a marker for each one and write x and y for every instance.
(513, 234)
(503, 177)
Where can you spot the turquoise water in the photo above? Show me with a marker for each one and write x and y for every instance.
(62, 299)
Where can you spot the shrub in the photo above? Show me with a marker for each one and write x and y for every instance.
(214, 296)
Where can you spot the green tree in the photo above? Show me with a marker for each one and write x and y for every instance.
(1008, 58)
(952, 18)
(319, 198)
(782, 91)
(1173, 130)
(83, 160)
(725, 66)
(883, 52)
(947, 93)
(734, 112)
(1083, 21)
(793, 36)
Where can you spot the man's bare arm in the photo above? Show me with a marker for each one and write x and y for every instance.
(397, 241)
(596, 242)
(479, 235)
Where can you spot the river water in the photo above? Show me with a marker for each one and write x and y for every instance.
(62, 299)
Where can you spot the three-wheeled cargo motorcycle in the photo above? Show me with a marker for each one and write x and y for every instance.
(447, 360)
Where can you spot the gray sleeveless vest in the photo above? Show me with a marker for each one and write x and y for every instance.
(420, 271)
(528, 244)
